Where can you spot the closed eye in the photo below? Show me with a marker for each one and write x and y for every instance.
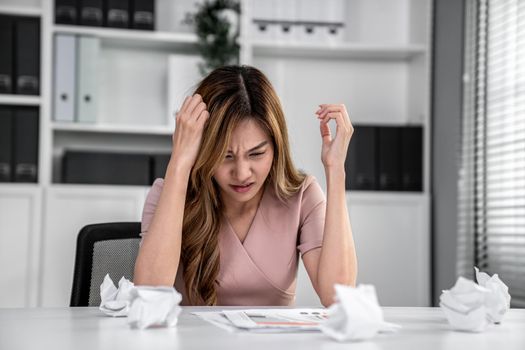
(257, 154)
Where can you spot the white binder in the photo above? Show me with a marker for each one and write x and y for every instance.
(335, 14)
(87, 72)
(285, 11)
(64, 78)
(311, 11)
(263, 10)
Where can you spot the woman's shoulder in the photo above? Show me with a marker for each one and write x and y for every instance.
(155, 191)
(151, 203)
(309, 191)
(158, 183)
(309, 180)
(308, 197)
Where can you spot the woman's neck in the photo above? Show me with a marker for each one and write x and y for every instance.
(234, 209)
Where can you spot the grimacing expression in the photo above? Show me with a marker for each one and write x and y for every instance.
(248, 162)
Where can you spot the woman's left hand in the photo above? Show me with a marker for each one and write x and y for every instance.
(334, 149)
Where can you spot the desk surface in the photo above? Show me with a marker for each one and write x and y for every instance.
(88, 328)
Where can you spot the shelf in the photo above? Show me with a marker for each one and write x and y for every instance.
(18, 186)
(133, 37)
(87, 189)
(385, 196)
(112, 129)
(20, 10)
(336, 51)
(22, 100)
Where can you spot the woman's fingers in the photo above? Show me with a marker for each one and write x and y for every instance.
(190, 103)
(325, 132)
(183, 107)
(195, 101)
(192, 108)
(336, 112)
(198, 110)
(325, 109)
(203, 116)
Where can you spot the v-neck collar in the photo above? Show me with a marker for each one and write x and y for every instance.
(250, 229)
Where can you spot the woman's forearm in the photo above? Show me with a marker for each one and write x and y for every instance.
(338, 261)
(159, 254)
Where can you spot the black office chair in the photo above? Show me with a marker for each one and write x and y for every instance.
(103, 248)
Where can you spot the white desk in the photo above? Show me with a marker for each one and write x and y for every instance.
(87, 328)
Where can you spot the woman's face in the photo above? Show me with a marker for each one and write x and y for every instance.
(247, 164)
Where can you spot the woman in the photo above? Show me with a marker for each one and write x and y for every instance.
(226, 223)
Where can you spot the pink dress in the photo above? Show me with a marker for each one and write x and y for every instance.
(262, 270)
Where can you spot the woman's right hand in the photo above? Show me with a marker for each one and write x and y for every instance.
(189, 124)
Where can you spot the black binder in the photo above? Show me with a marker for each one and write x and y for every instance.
(86, 167)
(361, 159)
(117, 13)
(6, 133)
(66, 11)
(25, 144)
(143, 14)
(389, 158)
(412, 158)
(91, 13)
(6, 58)
(27, 56)
(159, 166)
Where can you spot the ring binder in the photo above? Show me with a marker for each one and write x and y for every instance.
(26, 136)
(27, 56)
(6, 135)
(6, 58)
(65, 11)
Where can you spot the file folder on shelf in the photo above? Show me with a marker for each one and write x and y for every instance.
(27, 56)
(86, 167)
(64, 78)
(26, 137)
(91, 13)
(389, 158)
(6, 58)
(412, 158)
(117, 13)
(87, 73)
(143, 14)
(6, 133)
(66, 11)
(361, 159)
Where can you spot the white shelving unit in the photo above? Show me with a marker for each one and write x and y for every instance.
(333, 51)
(18, 9)
(113, 129)
(381, 71)
(139, 38)
(19, 100)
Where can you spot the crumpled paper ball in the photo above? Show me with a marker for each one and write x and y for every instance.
(497, 300)
(356, 315)
(471, 307)
(464, 306)
(154, 307)
(115, 302)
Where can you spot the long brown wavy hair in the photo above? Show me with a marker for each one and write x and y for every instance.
(232, 94)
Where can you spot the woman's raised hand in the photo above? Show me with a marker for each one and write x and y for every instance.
(189, 124)
(334, 149)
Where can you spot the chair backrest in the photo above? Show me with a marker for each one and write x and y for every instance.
(101, 249)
